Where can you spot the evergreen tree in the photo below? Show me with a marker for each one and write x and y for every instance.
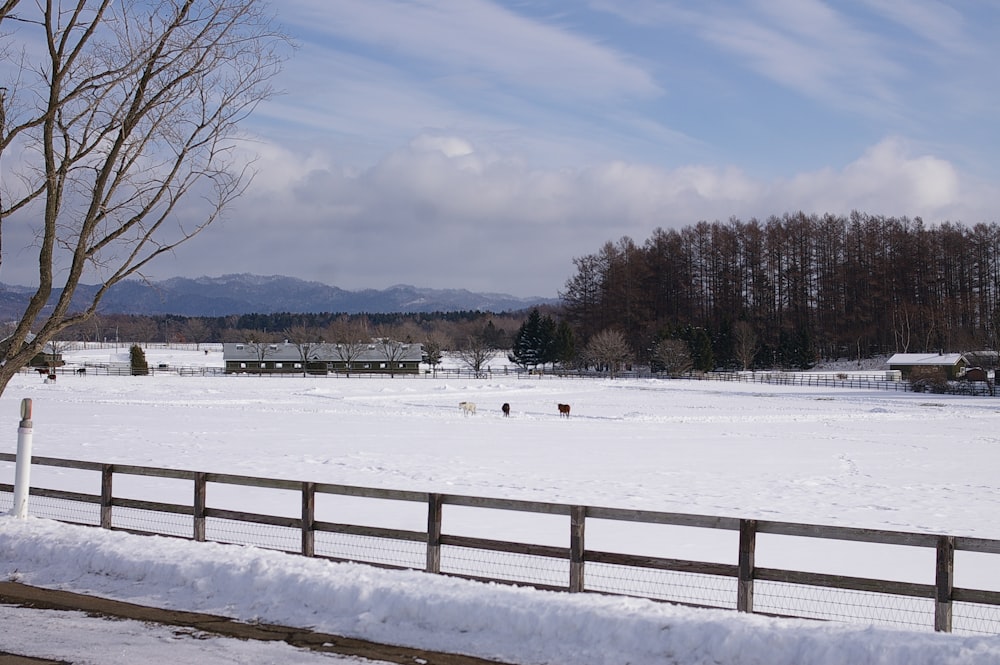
(796, 349)
(548, 342)
(704, 354)
(534, 342)
(137, 359)
(565, 344)
(493, 336)
(700, 345)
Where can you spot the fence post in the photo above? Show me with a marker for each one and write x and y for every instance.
(107, 473)
(578, 517)
(199, 505)
(748, 547)
(434, 512)
(22, 468)
(308, 519)
(944, 583)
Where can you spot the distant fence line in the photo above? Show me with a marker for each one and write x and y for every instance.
(780, 378)
(572, 567)
(876, 380)
(867, 381)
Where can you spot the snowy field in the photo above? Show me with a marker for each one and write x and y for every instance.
(886, 460)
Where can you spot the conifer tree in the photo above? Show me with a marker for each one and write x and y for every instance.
(534, 342)
(137, 361)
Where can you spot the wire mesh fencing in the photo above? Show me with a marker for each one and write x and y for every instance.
(409, 530)
(509, 567)
(665, 585)
(976, 619)
(64, 510)
(371, 550)
(844, 605)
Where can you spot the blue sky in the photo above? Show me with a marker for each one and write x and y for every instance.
(484, 144)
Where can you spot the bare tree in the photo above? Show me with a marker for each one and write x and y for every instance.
(434, 345)
(130, 111)
(901, 329)
(303, 338)
(350, 340)
(263, 348)
(196, 331)
(349, 351)
(144, 331)
(673, 355)
(745, 343)
(392, 350)
(608, 350)
(475, 353)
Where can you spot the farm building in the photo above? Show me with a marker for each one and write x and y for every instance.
(379, 357)
(953, 364)
(989, 359)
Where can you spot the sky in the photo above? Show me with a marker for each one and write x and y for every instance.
(812, 455)
(485, 144)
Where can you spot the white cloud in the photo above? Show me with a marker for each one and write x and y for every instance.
(807, 47)
(929, 20)
(449, 146)
(440, 212)
(479, 39)
(921, 182)
(886, 180)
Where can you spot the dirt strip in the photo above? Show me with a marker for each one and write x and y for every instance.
(13, 593)
(13, 659)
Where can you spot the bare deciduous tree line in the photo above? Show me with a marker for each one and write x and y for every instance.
(791, 289)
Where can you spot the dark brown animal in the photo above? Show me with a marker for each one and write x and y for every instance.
(564, 410)
(506, 409)
(44, 371)
(81, 371)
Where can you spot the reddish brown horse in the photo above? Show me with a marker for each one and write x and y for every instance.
(564, 410)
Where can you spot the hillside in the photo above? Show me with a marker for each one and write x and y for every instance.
(256, 294)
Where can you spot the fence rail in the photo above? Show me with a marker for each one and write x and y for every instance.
(876, 380)
(572, 566)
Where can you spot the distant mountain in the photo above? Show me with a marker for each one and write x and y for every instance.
(248, 294)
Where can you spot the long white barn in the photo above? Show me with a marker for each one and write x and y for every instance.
(377, 357)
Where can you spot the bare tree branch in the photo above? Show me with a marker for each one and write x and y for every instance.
(133, 111)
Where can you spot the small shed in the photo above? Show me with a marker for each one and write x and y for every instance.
(953, 364)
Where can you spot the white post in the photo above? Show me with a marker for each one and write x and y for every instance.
(22, 473)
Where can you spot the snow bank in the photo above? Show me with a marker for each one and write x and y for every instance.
(410, 608)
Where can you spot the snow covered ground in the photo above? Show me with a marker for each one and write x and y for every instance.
(886, 460)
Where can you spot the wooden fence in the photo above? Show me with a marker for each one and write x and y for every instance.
(575, 559)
